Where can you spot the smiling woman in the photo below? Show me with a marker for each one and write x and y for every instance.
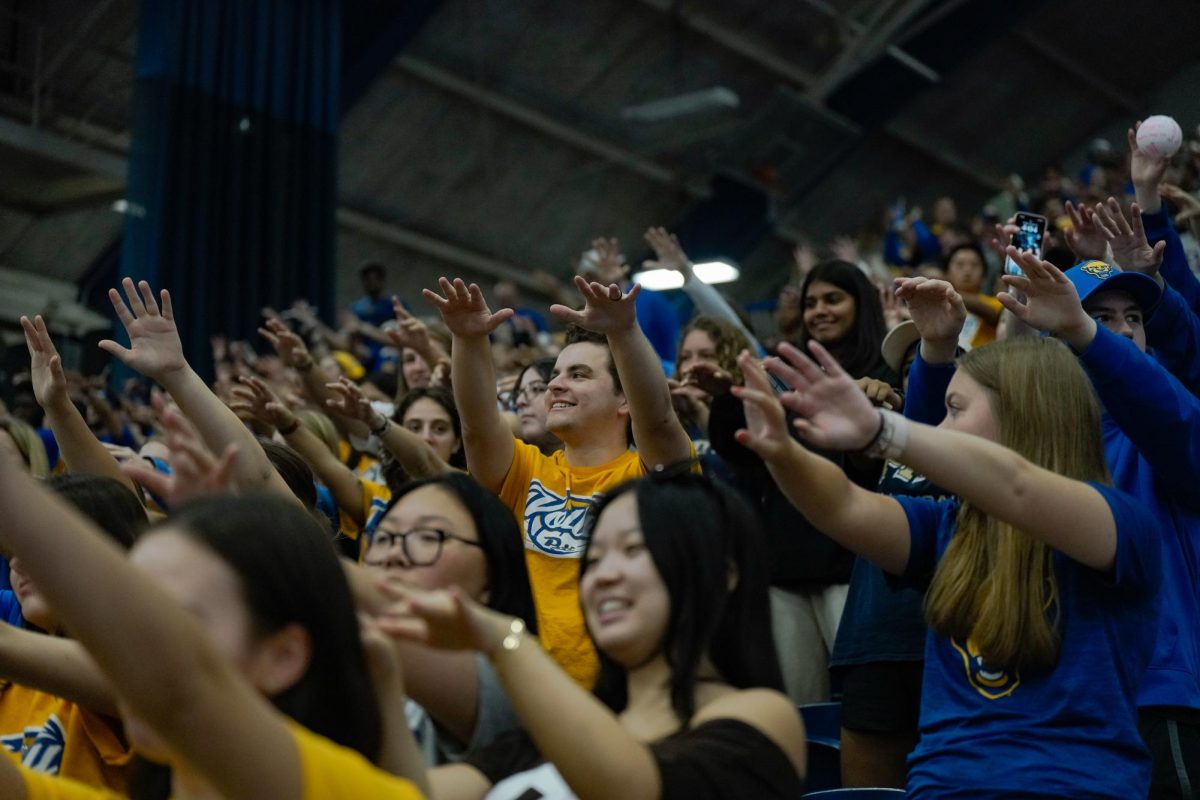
(674, 594)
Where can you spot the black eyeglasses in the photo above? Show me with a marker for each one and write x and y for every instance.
(421, 546)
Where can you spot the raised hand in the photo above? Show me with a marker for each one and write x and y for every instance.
(766, 430)
(45, 366)
(1145, 171)
(713, 380)
(606, 309)
(412, 333)
(1001, 235)
(194, 470)
(608, 255)
(668, 253)
(287, 343)
(832, 412)
(893, 309)
(351, 402)
(154, 346)
(1085, 237)
(1127, 238)
(1051, 303)
(881, 393)
(845, 249)
(934, 306)
(255, 398)
(804, 258)
(464, 310)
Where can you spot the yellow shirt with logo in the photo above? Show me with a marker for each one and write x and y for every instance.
(550, 499)
(976, 332)
(328, 772)
(50, 735)
(375, 497)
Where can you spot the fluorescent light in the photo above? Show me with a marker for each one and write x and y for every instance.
(716, 272)
(659, 279)
(707, 271)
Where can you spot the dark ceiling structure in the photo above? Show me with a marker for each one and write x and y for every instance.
(495, 138)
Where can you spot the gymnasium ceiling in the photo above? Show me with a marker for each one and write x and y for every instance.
(505, 134)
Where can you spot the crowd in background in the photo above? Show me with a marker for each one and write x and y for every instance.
(952, 485)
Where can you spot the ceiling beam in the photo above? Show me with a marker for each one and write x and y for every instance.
(744, 46)
(1057, 56)
(509, 108)
(53, 147)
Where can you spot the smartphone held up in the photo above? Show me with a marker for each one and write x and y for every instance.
(1031, 230)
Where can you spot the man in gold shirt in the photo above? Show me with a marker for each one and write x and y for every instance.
(607, 380)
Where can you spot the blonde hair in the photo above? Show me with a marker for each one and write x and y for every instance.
(996, 584)
(322, 427)
(30, 445)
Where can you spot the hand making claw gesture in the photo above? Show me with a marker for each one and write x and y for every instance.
(464, 310)
(606, 309)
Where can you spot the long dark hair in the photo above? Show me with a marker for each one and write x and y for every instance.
(702, 537)
(499, 536)
(289, 573)
(859, 352)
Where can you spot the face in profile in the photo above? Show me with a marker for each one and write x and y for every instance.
(969, 408)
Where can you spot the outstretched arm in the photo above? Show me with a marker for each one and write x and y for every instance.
(60, 667)
(557, 713)
(412, 453)
(657, 431)
(1158, 414)
(155, 351)
(80, 448)
(1068, 515)
(153, 652)
(870, 524)
(487, 439)
(256, 398)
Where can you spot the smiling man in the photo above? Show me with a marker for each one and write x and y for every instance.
(606, 382)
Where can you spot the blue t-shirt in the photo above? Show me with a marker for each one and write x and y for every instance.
(10, 609)
(1066, 731)
(881, 622)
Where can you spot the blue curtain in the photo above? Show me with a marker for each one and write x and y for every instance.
(232, 171)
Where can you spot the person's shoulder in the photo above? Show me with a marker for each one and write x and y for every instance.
(768, 711)
(333, 772)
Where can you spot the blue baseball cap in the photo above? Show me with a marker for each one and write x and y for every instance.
(1090, 277)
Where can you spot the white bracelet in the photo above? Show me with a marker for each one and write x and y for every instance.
(892, 438)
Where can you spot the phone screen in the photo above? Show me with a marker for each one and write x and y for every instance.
(1028, 238)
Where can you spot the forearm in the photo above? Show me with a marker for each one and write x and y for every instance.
(986, 311)
(1066, 514)
(1175, 269)
(146, 644)
(871, 525)
(486, 439)
(1174, 334)
(60, 667)
(340, 479)
(219, 427)
(659, 435)
(319, 395)
(445, 683)
(417, 458)
(1148, 196)
(79, 447)
(399, 753)
(708, 301)
(558, 715)
(925, 400)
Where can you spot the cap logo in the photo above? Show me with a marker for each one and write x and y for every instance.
(1098, 269)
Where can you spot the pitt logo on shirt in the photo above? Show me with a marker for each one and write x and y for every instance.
(554, 524)
(1098, 269)
(990, 682)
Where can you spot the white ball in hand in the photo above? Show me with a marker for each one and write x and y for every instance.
(1159, 136)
